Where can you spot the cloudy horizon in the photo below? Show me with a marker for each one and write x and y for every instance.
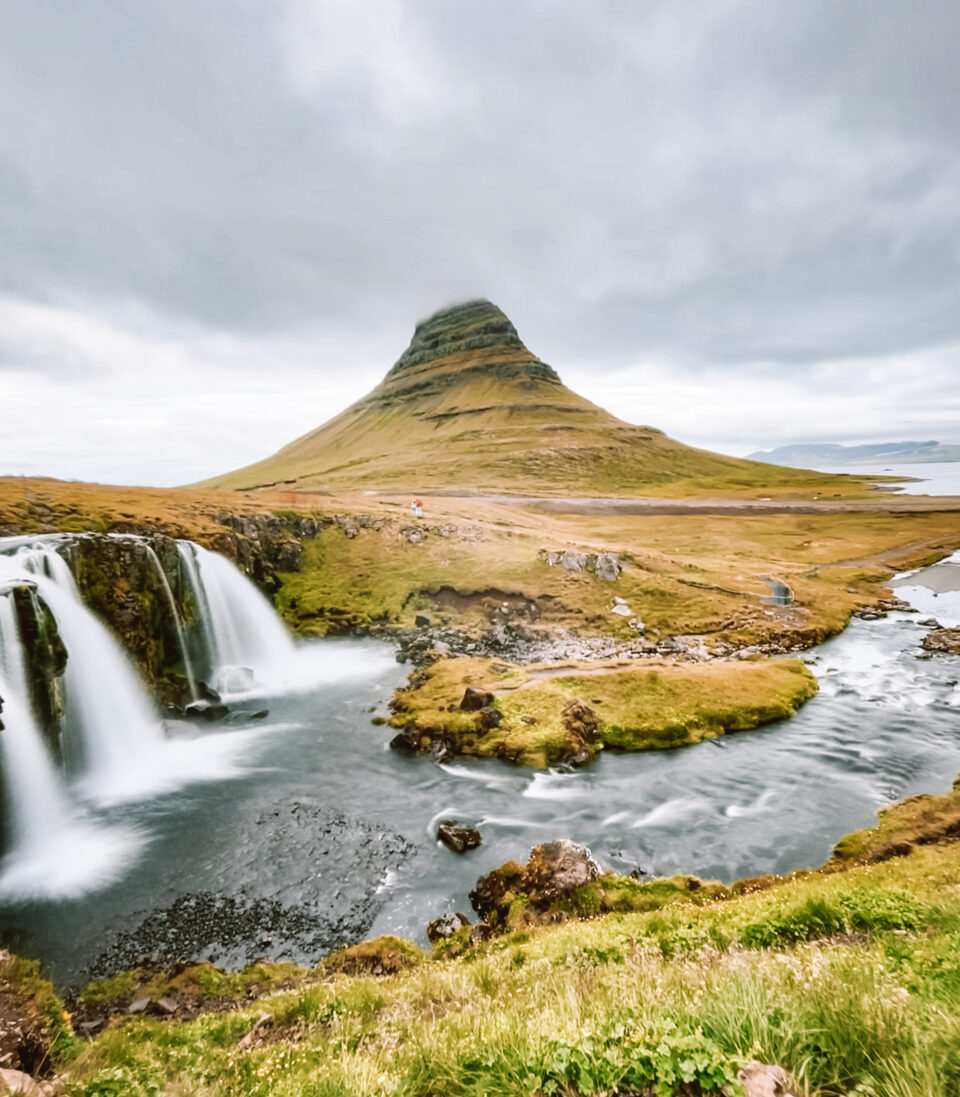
(219, 223)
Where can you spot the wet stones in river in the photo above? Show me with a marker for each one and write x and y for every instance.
(457, 837)
(205, 711)
(944, 641)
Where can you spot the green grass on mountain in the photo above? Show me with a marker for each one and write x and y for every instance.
(469, 408)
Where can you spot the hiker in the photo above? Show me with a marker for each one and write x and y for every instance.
(416, 508)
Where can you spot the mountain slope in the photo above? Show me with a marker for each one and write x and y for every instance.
(469, 408)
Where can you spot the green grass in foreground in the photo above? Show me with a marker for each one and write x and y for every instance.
(849, 980)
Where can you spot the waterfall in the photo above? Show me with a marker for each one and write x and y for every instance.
(177, 622)
(54, 851)
(110, 721)
(36, 800)
(246, 641)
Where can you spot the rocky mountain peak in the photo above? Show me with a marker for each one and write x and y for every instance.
(463, 330)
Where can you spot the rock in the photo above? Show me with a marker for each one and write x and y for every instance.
(929, 622)
(764, 1080)
(488, 718)
(528, 719)
(618, 601)
(476, 699)
(205, 710)
(573, 561)
(255, 1035)
(15, 1081)
(164, 1007)
(407, 741)
(636, 624)
(553, 871)
(92, 1027)
(139, 1006)
(946, 641)
(622, 610)
(608, 567)
(580, 720)
(481, 932)
(457, 837)
(446, 926)
(421, 620)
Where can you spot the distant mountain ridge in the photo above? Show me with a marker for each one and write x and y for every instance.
(806, 454)
(468, 408)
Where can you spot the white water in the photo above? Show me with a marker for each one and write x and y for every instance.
(54, 851)
(250, 650)
(247, 641)
(177, 622)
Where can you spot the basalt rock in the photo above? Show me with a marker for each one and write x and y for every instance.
(44, 662)
(475, 699)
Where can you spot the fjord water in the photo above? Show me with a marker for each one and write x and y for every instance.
(313, 832)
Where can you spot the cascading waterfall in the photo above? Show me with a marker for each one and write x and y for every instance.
(53, 850)
(115, 744)
(37, 804)
(177, 623)
(110, 720)
(246, 641)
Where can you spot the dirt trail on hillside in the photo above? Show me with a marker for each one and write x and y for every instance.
(887, 558)
(901, 504)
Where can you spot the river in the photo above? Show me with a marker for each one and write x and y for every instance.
(304, 830)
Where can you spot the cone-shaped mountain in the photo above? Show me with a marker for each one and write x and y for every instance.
(468, 408)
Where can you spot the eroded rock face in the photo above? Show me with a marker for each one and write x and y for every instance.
(554, 871)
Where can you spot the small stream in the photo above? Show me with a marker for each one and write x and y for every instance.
(305, 831)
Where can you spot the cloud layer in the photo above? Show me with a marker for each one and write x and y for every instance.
(220, 221)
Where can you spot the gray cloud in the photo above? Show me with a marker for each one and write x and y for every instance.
(708, 186)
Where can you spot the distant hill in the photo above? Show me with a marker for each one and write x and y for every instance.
(468, 407)
(811, 454)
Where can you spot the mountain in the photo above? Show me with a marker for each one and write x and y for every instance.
(812, 454)
(467, 407)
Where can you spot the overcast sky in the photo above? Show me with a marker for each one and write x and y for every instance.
(219, 221)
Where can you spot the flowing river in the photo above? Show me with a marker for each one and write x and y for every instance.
(291, 834)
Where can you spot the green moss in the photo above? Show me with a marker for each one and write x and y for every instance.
(26, 977)
(645, 707)
(381, 956)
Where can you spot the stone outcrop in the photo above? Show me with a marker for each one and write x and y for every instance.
(555, 870)
(944, 641)
(605, 565)
(444, 927)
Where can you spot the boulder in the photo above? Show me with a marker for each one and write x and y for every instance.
(406, 741)
(945, 641)
(488, 718)
(608, 566)
(475, 699)
(622, 610)
(205, 710)
(580, 720)
(765, 1080)
(16, 1082)
(421, 620)
(554, 871)
(574, 561)
(446, 926)
(458, 838)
